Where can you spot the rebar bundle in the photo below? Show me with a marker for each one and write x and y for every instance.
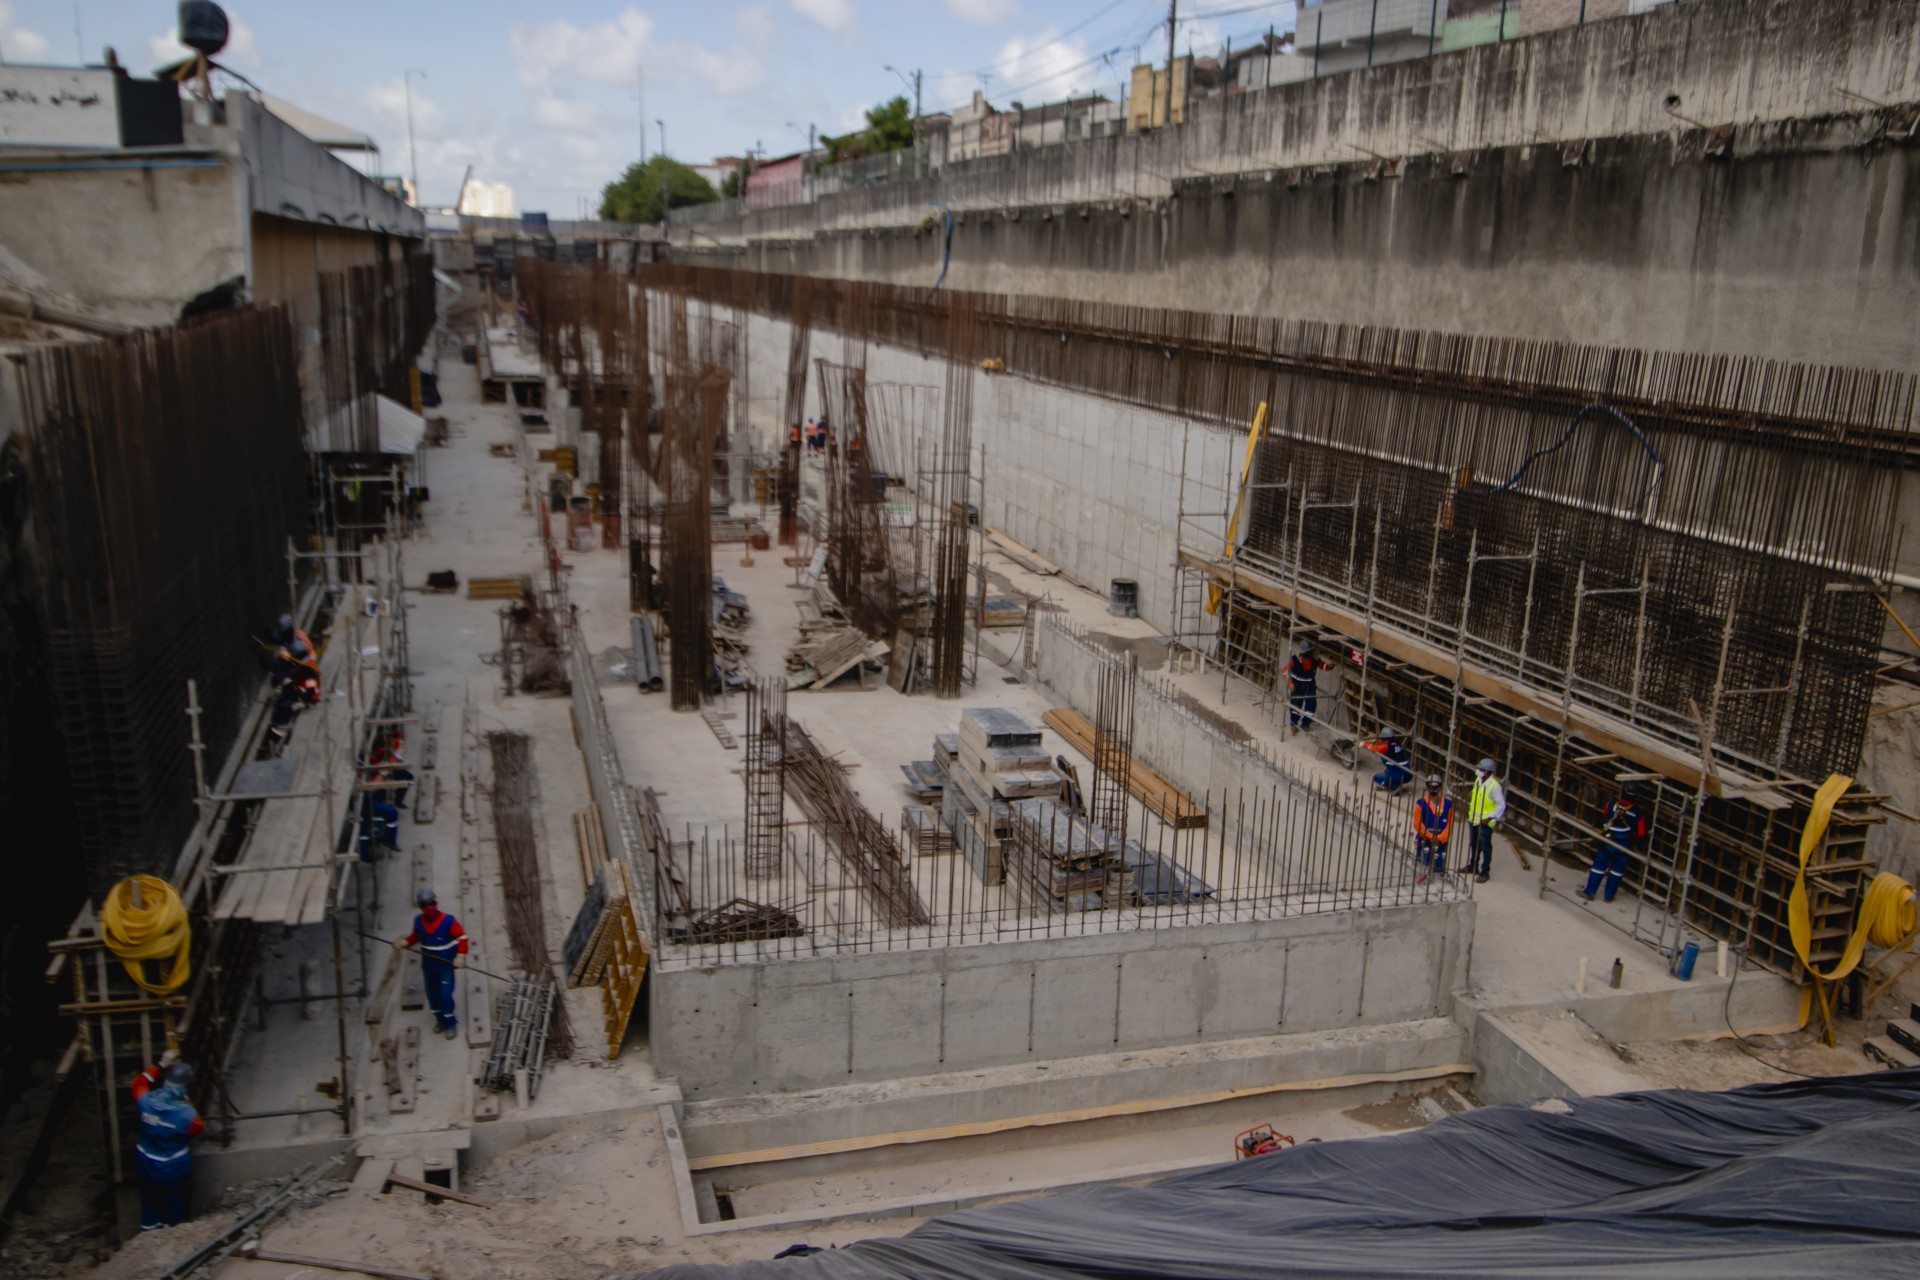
(1108, 799)
(869, 571)
(765, 765)
(691, 415)
(818, 784)
(519, 852)
(522, 1015)
(950, 486)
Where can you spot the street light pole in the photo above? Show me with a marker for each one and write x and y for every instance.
(664, 194)
(914, 85)
(413, 161)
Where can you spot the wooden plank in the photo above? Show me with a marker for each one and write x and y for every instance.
(627, 965)
(253, 1251)
(1161, 797)
(1026, 557)
(383, 994)
(392, 1146)
(426, 796)
(427, 1188)
(370, 1178)
(406, 1073)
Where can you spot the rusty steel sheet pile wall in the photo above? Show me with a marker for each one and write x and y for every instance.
(373, 321)
(168, 477)
(1748, 489)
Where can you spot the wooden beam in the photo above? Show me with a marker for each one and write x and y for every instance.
(427, 1188)
(254, 1251)
(1614, 736)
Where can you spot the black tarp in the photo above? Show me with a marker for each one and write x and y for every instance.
(1805, 1179)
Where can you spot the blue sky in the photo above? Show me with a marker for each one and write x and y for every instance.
(543, 97)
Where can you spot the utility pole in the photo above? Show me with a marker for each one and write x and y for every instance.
(413, 161)
(640, 96)
(664, 193)
(1173, 25)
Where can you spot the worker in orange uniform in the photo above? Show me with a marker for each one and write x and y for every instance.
(443, 949)
(1396, 766)
(163, 1153)
(1432, 824)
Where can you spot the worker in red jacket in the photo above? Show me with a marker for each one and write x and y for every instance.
(1624, 828)
(163, 1154)
(443, 948)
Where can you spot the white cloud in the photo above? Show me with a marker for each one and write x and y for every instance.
(1043, 67)
(242, 51)
(605, 53)
(19, 44)
(828, 15)
(987, 13)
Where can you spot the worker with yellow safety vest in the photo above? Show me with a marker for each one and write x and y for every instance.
(1486, 807)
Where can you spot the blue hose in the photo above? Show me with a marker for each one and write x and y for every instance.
(946, 247)
(1566, 435)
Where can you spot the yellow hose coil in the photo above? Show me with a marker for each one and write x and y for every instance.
(153, 931)
(1888, 915)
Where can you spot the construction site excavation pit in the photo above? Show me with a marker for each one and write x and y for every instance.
(1086, 914)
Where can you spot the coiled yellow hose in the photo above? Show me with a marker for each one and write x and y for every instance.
(155, 930)
(1888, 915)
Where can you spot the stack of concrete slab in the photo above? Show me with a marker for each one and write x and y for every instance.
(1058, 861)
(996, 760)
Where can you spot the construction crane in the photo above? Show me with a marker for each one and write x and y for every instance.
(460, 196)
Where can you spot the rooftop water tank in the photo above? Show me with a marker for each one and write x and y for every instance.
(203, 26)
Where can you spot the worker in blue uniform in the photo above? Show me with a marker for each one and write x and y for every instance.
(1396, 769)
(163, 1153)
(1303, 686)
(1623, 830)
(443, 949)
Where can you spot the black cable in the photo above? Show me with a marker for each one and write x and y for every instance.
(1726, 1014)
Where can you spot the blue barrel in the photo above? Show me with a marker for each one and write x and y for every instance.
(1683, 963)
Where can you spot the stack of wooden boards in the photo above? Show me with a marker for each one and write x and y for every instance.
(996, 759)
(828, 647)
(1166, 801)
(1056, 860)
(730, 648)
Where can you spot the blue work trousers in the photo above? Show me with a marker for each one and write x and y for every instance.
(1302, 707)
(1480, 848)
(1432, 853)
(1393, 777)
(439, 976)
(163, 1201)
(1610, 864)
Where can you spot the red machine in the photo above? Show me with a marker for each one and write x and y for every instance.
(1259, 1141)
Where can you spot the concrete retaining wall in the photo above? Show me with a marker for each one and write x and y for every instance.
(805, 1024)
(1714, 61)
(1091, 484)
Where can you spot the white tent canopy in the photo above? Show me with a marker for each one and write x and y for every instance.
(401, 429)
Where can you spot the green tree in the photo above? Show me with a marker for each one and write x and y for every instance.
(733, 186)
(635, 196)
(889, 128)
